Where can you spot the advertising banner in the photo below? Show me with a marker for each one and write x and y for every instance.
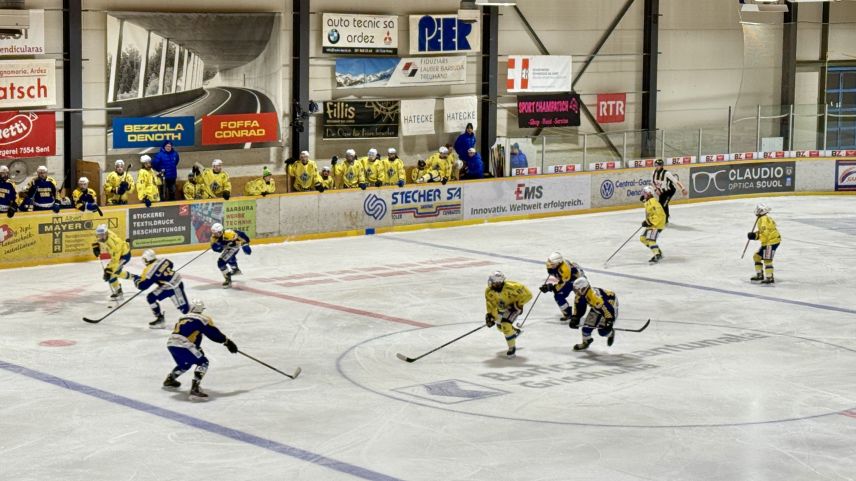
(517, 171)
(27, 83)
(31, 41)
(417, 117)
(159, 226)
(611, 108)
(426, 204)
(685, 160)
(460, 111)
(240, 128)
(434, 34)
(527, 195)
(241, 215)
(542, 111)
(845, 175)
(361, 119)
(400, 72)
(607, 165)
(52, 236)
(129, 132)
(202, 217)
(348, 33)
(704, 159)
(842, 153)
(563, 169)
(27, 135)
(539, 73)
(736, 179)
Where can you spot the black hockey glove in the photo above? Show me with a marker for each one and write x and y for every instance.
(378, 183)
(289, 161)
(11, 212)
(123, 187)
(319, 187)
(575, 322)
(108, 274)
(645, 223)
(752, 236)
(548, 288)
(488, 320)
(231, 346)
(334, 160)
(363, 185)
(444, 180)
(96, 249)
(226, 195)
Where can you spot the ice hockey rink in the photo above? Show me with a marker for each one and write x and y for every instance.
(731, 381)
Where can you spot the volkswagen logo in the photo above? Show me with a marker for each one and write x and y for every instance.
(607, 189)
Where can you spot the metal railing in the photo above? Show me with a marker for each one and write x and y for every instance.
(763, 128)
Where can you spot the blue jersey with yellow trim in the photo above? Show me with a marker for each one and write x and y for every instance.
(193, 326)
(566, 272)
(7, 194)
(159, 273)
(600, 300)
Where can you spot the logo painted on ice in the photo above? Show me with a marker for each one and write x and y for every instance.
(374, 207)
(607, 189)
(451, 391)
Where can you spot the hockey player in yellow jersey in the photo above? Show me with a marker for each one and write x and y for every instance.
(441, 163)
(328, 182)
(770, 239)
(603, 312)
(424, 173)
(84, 198)
(261, 186)
(147, 182)
(394, 167)
(119, 184)
(120, 254)
(654, 223)
(374, 167)
(350, 173)
(217, 180)
(304, 171)
(195, 188)
(562, 274)
(505, 300)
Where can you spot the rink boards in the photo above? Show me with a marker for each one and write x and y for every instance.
(41, 238)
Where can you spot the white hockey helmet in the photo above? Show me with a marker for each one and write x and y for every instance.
(217, 229)
(197, 306)
(145, 159)
(4, 169)
(443, 150)
(648, 191)
(372, 153)
(119, 163)
(83, 182)
(101, 231)
(149, 256)
(496, 280)
(581, 284)
(42, 170)
(391, 151)
(326, 168)
(216, 163)
(762, 209)
(554, 260)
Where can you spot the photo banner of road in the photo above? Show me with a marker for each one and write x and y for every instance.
(157, 66)
(400, 72)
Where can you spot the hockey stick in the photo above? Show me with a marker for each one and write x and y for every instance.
(414, 359)
(290, 376)
(633, 330)
(749, 240)
(96, 321)
(622, 246)
(520, 324)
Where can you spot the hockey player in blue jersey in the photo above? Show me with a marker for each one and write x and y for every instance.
(185, 345)
(8, 195)
(41, 193)
(562, 274)
(227, 242)
(161, 273)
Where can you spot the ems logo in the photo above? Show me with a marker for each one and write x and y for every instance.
(374, 207)
(525, 192)
(451, 391)
(607, 189)
(410, 69)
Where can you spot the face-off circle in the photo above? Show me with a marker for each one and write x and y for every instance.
(675, 374)
(57, 343)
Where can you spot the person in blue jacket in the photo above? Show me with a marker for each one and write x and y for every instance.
(517, 157)
(166, 162)
(465, 141)
(475, 167)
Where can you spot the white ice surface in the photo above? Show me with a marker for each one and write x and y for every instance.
(769, 407)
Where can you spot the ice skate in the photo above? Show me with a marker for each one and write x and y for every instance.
(759, 277)
(610, 340)
(768, 280)
(511, 353)
(583, 345)
(117, 295)
(196, 394)
(158, 323)
(171, 383)
(227, 280)
(236, 272)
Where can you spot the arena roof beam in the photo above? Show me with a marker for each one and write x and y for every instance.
(72, 91)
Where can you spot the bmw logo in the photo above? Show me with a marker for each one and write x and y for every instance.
(333, 36)
(607, 189)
